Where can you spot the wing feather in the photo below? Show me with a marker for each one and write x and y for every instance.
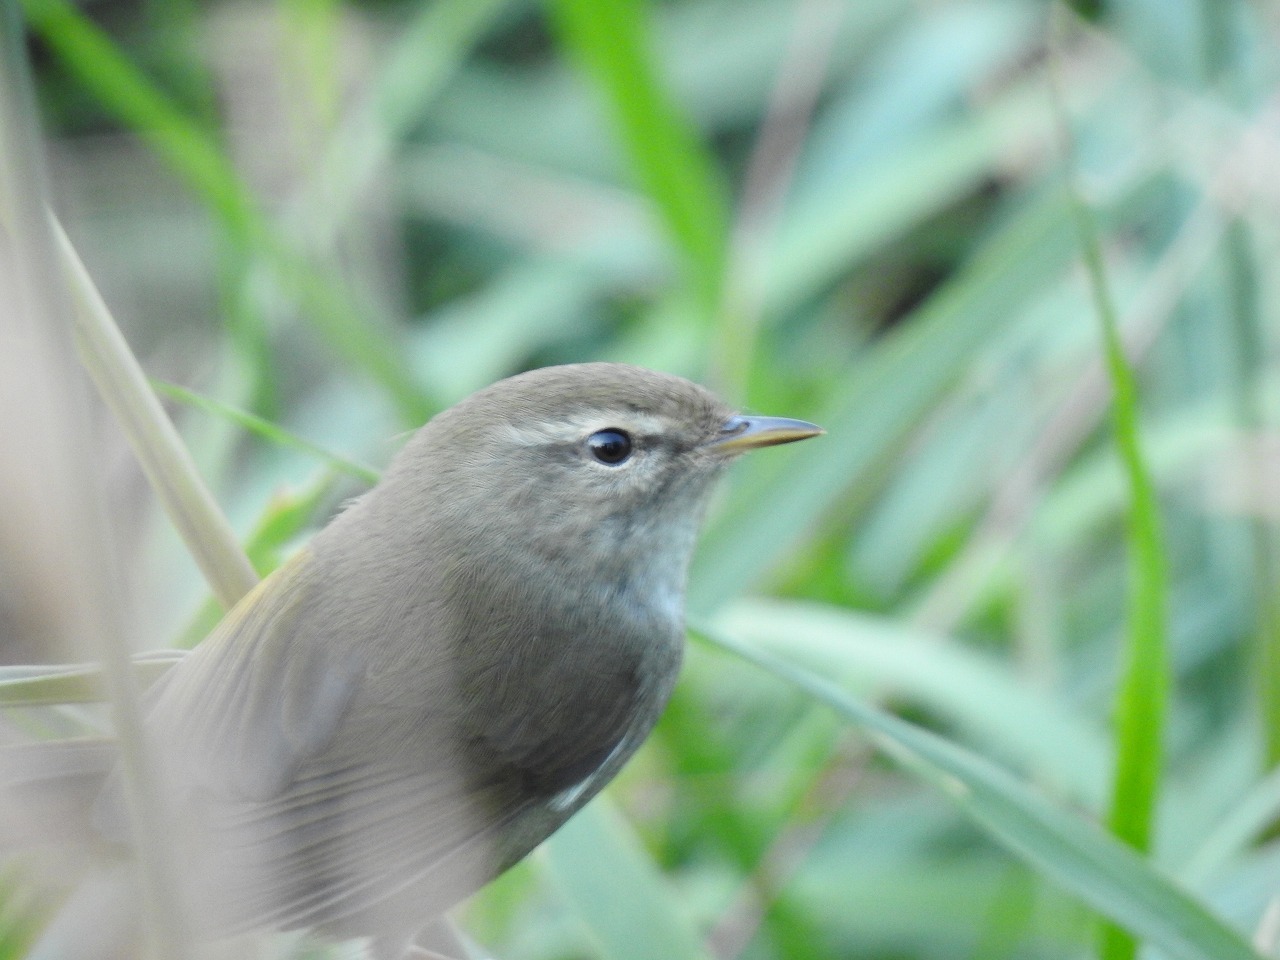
(339, 849)
(259, 697)
(291, 823)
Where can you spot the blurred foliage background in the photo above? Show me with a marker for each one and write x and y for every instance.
(343, 216)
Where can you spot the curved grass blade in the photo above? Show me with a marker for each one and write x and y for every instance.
(949, 680)
(1064, 848)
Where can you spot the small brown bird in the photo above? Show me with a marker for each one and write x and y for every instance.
(453, 667)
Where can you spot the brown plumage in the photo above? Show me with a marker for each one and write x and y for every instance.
(456, 664)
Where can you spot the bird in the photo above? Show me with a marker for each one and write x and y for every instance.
(442, 676)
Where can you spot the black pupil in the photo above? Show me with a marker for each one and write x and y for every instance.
(609, 446)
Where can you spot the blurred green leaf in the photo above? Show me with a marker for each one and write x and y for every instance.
(611, 38)
(836, 224)
(88, 52)
(1100, 871)
(958, 685)
(426, 54)
(616, 890)
(1242, 826)
(883, 394)
(22, 913)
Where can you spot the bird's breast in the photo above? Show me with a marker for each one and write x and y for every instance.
(548, 694)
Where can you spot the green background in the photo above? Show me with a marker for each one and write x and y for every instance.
(929, 227)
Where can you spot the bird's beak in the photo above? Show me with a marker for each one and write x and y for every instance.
(740, 434)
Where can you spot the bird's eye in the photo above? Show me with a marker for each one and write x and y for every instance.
(611, 447)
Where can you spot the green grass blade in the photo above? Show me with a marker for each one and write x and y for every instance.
(1059, 845)
(1143, 691)
(615, 889)
(89, 53)
(947, 679)
(1143, 695)
(268, 431)
(611, 39)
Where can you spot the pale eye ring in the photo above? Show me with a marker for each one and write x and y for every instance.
(610, 446)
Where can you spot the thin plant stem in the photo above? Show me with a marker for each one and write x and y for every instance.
(164, 458)
(267, 430)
